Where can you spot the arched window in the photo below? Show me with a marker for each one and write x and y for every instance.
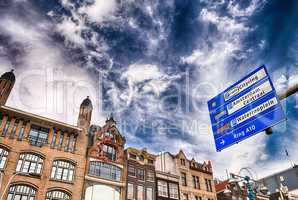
(62, 170)
(57, 195)
(3, 157)
(17, 192)
(30, 163)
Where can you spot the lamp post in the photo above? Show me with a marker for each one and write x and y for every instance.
(1, 178)
(10, 180)
(290, 91)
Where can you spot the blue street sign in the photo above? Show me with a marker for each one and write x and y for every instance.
(244, 109)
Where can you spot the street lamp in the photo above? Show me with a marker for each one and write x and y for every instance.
(10, 180)
(290, 91)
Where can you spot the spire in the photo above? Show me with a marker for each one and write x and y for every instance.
(9, 76)
(7, 81)
(111, 119)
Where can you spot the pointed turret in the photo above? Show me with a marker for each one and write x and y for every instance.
(85, 113)
(7, 81)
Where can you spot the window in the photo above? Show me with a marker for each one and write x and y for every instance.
(182, 161)
(140, 192)
(149, 193)
(162, 188)
(54, 139)
(21, 192)
(60, 142)
(104, 170)
(6, 127)
(66, 147)
(3, 157)
(207, 184)
(141, 174)
(21, 132)
(38, 136)
(72, 144)
(57, 195)
(183, 179)
(62, 170)
(173, 188)
(141, 158)
(150, 161)
(150, 176)
(131, 171)
(109, 152)
(130, 191)
(14, 129)
(29, 163)
(210, 185)
(196, 182)
(133, 156)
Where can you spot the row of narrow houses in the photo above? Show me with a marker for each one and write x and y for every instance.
(41, 158)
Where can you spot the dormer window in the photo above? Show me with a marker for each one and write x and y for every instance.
(182, 161)
(132, 156)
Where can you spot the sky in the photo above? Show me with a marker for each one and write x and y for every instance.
(154, 65)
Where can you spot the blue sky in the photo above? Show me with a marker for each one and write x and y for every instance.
(154, 64)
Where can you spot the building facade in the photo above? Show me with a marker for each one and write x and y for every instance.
(196, 179)
(167, 178)
(40, 158)
(105, 168)
(283, 183)
(140, 175)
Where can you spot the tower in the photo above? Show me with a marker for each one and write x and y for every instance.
(85, 113)
(7, 81)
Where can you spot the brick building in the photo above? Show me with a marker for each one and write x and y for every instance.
(196, 179)
(140, 175)
(40, 158)
(105, 176)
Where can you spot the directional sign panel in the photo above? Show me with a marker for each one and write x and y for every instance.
(244, 109)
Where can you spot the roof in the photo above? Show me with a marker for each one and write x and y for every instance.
(221, 186)
(8, 76)
(87, 103)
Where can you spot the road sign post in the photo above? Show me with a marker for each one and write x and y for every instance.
(246, 108)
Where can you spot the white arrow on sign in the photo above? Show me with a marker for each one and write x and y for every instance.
(222, 142)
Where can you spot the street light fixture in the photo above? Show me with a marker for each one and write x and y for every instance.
(11, 178)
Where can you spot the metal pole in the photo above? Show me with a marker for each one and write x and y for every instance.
(1, 179)
(290, 91)
(10, 180)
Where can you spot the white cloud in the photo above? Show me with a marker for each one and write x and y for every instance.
(137, 73)
(47, 82)
(98, 10)
(236, 11)
(71, 30)
(223, 23)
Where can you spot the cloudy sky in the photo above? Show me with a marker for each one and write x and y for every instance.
(154, 64)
